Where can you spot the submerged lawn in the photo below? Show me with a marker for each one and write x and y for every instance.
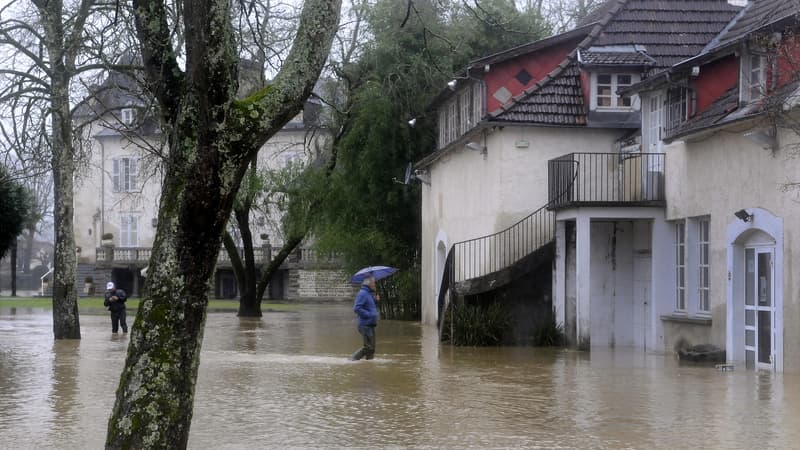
(95, 304)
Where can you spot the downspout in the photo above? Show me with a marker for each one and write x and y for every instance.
(102, 190)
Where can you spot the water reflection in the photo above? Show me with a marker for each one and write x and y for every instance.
(285, 381)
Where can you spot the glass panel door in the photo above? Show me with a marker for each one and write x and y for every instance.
(750, 308)
(759, 310)
(764, 307)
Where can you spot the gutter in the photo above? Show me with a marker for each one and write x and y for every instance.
(738, 120)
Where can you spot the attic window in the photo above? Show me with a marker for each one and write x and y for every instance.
(756, 76)
(605, 87)
(128, 115)
(523, 77)
(677, 108)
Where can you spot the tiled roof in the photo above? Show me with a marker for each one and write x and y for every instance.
(757, 14)
(616, 58)
(727, 110)
(599, 12)
(577, 33)
(558, 102)
(669, 31)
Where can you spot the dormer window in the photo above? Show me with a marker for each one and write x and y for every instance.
(678, 101)
(756, 86)
(128, 116)
(605, 87)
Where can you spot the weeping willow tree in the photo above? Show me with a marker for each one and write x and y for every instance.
(416, 47)
(212, 138)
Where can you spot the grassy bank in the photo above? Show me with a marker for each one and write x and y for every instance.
(89, 305)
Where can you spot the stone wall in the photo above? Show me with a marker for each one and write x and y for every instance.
(319, 284)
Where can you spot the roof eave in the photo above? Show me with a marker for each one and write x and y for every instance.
(511, 53)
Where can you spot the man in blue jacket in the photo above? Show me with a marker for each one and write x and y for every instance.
(366, 309)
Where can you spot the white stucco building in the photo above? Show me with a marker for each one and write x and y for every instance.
(661, 167)
(119, 189)
(523, 136)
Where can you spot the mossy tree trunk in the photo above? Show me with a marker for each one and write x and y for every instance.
(62, 50)
(212, 138)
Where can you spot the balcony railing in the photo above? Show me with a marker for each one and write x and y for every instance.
(606, 179)
(141, 255)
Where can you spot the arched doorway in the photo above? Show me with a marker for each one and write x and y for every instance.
(755, 291)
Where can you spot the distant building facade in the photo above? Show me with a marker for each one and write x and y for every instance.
(119, 188)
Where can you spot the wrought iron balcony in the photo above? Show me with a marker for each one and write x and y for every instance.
(606, 179)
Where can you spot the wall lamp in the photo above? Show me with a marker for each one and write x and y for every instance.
(452, 84)
(743, 215)
(476, 147)
(423, 176)
(412, 122)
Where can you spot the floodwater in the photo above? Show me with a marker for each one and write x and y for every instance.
(285, 382)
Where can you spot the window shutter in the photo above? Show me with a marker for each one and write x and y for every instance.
(134, 174)
(134, 231)
(115, 175)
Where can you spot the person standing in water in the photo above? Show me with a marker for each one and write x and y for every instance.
(115, 301)
(366, 309)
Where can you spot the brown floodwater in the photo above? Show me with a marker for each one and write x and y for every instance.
(285, 382)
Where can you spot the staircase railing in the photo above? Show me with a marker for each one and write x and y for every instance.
(481, 256)
(500, 250)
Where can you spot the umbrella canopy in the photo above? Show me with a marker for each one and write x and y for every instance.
(379, 272)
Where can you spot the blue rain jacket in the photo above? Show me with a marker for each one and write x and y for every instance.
(365, 307)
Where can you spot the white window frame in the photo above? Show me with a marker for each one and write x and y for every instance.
(129, 230)
(452, 121)
(655, 122)
(704, 266)
(616, 99)
(462, 113)
(676, 108)
(756, 76)
(442, 127)
(477, 102)
(127, 116)
(125, 174)
(681, 300)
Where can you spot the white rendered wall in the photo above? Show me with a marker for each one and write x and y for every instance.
(472, 195)
(622, 287)
(723, 173)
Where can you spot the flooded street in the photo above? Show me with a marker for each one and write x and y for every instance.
(285, 381)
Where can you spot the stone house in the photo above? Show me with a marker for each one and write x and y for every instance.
(118, 192)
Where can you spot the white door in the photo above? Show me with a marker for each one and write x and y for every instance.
(759, 308)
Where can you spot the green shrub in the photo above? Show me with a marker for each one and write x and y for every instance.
(476, 326)
(547, 334)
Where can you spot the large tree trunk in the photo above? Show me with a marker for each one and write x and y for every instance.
(66, 323)
(249, 305)
(212, 139)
